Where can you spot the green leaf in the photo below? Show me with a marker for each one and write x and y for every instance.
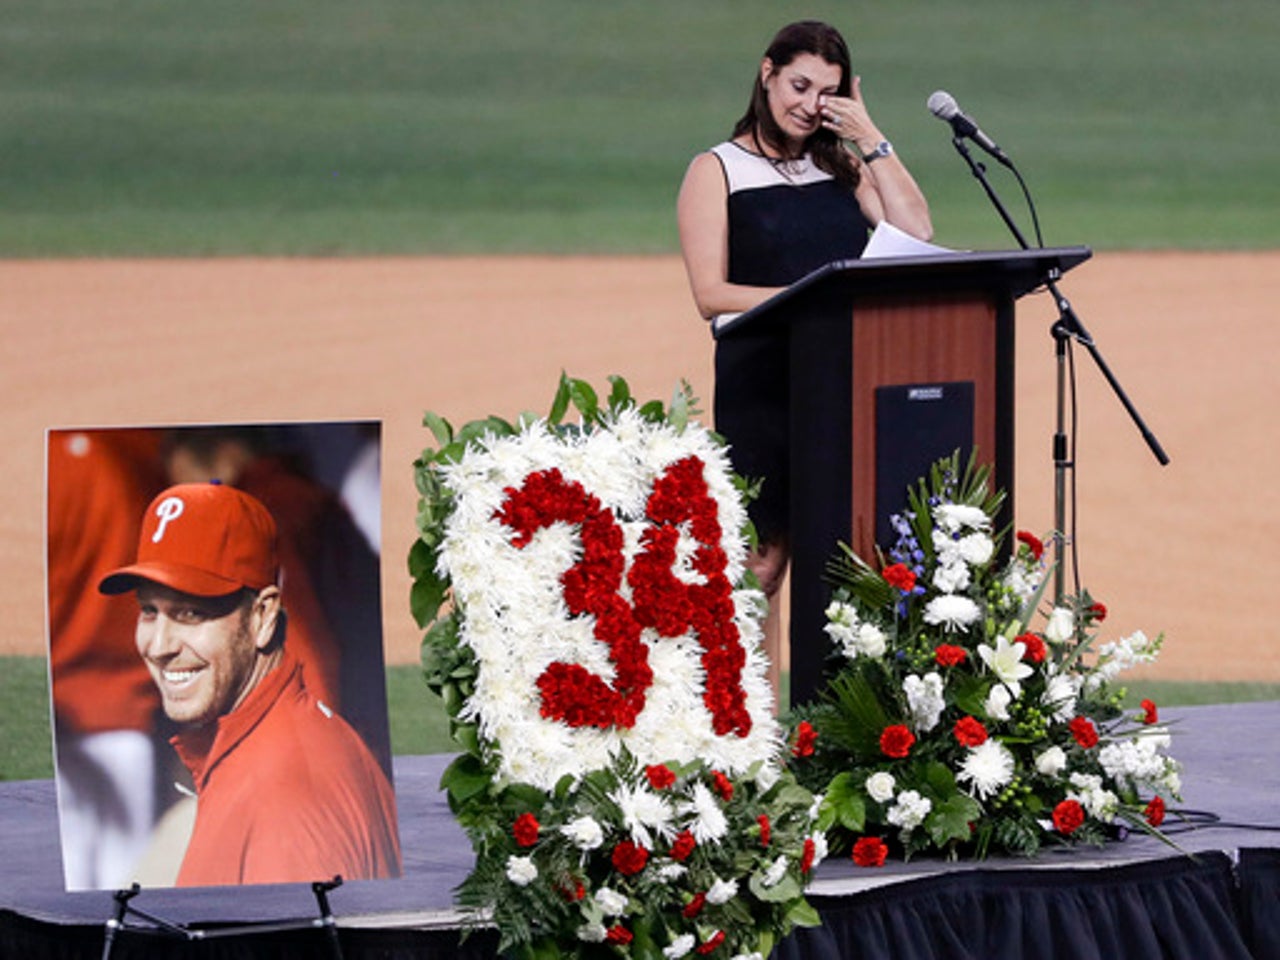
(440, 428)
(950, 820)
(970, 692)
(585, 400)
(422, 559)
(803, 914)
(654, 411)
(847, 801)
(465, 778)
(940, 779)
(560, 404)
(425, 597)
(620, 394)
(788, 888)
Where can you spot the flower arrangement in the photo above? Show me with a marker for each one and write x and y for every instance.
(955, 727)
(595, 636)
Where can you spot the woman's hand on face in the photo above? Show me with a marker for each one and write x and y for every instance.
(848, 118)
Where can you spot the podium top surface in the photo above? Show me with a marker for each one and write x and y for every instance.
(1012, 272)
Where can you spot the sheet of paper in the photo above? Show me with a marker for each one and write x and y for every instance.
(888, 241)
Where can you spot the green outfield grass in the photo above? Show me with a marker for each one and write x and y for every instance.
(144, 127)
(417, 717)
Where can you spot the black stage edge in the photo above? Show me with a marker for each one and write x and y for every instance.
(1218, 898)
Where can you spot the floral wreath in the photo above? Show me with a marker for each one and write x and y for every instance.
(595, 636)
(953, 727)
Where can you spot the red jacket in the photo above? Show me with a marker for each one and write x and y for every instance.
(99, 485)
(286, 793)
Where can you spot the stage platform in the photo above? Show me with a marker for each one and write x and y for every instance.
(1217, 895)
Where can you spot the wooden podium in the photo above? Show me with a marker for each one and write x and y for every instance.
(893, 364)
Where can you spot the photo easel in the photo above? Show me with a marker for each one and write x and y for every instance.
(158, 926)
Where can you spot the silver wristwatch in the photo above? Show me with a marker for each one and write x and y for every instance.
(882, 149)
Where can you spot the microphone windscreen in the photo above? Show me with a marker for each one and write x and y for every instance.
(942, 105)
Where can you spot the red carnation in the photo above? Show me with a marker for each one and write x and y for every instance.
(1034, 544)
(713, 941)
(1084, 731)
(949, 655)
(571, 889)
(896, 741)
(629, 858)
(900, 576)
(683, 845)
(1098, 611)
(1035, 652)
(694, 906)
(870, 852)
(618, 934)
(806, 736)
(660, 776)
(809, 855)
(526, 830)
(1068, 816)
(1149, 713)
(766, 829)
(970, 732)
(1154, 812)
(723, 785)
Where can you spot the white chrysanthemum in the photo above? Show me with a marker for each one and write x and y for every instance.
(977, 549)
(777, 870)
(925, 699)
(517, 624)
(521, 871)
(611, 902)
(1061, 691)
(997, 703)
(585, 833)
(879, 786)
(951, 577)
(1061, 626)
(988, 768)
(1051, 762)
(680, 946)
(708, 823)
(954, 517)
(909, 811)
(1005, 661)
(592, 933)
(722, 891)
(952, 612)
(644, 813)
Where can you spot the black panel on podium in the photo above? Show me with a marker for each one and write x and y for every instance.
(856, 331)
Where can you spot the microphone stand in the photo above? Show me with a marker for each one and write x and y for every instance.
(1067, 327)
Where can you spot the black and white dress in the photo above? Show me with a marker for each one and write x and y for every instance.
(786, 219)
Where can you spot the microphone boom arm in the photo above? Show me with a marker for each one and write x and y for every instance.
(1067, 327)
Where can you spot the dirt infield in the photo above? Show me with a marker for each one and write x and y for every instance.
(1185, 549)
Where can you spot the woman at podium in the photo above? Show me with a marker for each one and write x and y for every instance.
(804, 178)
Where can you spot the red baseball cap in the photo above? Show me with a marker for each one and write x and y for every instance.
(206, 539)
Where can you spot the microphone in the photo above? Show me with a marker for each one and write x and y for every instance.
(943, 106)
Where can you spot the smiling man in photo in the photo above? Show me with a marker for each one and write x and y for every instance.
(286, 791)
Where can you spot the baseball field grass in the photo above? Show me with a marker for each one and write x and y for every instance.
(139, 127)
